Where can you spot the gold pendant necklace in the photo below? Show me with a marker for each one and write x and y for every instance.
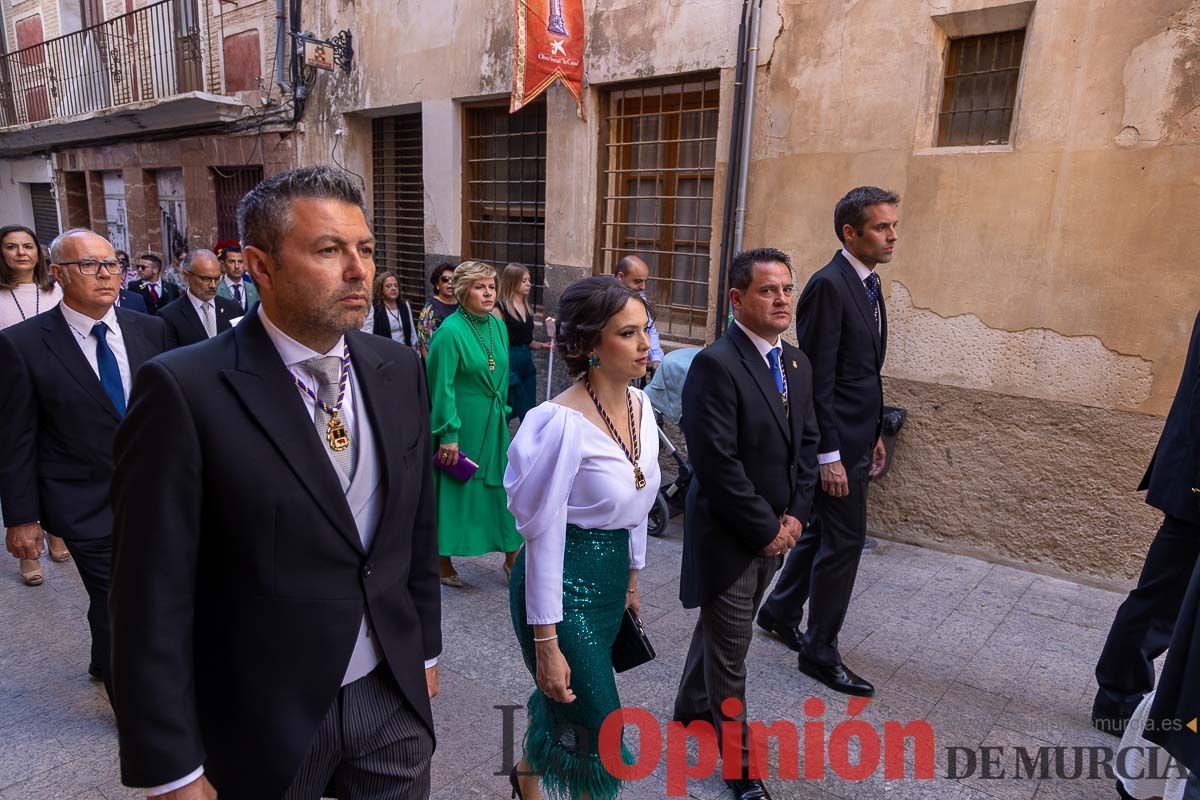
(639, 479)
(336, 435)
(488, 349)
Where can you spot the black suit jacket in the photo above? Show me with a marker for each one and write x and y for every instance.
(59, 423)
(836, 329)
(183, 323)
(240, 582)
(132, 301)
(753, 460)
(1173, 477)
(167, 292)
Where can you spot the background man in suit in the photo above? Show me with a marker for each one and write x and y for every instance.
(131, 301)
(64, 379)
(153, 289)
(233, 287)
(1142, 628)
(752, 440)
(842, 327)
(200, 314)
(285, 637)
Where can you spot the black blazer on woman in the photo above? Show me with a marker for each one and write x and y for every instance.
(240, 582)
(836, 328)
(381, 325)
(754, 461)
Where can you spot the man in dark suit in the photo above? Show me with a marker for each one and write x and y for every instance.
(200, 314)
(131, 301)
(276, 603)
(64, 379)
(1142, 628)
(154, 290)
(752, 441)
(842, 327)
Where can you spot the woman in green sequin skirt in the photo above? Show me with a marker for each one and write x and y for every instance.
(582, 476)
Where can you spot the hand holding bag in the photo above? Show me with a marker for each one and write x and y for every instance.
(632, 647)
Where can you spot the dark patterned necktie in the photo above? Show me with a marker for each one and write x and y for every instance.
(872, 284)
(237, 293)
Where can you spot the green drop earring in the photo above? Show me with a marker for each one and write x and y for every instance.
(593, 361)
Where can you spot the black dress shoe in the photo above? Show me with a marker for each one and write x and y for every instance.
(749, 789)
(790, 636)
(836, 676)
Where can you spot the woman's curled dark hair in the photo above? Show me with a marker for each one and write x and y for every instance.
(583, 310)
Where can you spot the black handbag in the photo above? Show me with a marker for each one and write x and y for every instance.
(632, 648)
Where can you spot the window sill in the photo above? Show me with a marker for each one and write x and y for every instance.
(958, 151)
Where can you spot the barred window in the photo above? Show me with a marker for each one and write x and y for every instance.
(505, 188)
(399, 200)
(660, 145)
(980, 91)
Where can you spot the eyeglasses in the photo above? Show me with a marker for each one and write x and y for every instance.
(445, 279)
(91, 266)
(206, 280)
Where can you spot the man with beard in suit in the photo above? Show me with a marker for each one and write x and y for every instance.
(276, 602)
(200, 314)
(154, 290)
(65, 377)
(752, 441)
(841, 325)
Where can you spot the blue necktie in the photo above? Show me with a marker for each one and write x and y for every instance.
(872, 284)
(110, 373)
(237, 292)
(776, 370)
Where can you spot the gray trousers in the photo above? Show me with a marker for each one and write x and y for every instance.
(371, 745)
(715, 668)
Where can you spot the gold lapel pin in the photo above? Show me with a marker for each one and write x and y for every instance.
(795, 365)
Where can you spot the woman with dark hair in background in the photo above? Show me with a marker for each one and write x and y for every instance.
(393, 315)
(440, 306)
(516, 312)
(583, 474)
(26, 290)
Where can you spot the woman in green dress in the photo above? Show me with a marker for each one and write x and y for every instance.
(468, 387)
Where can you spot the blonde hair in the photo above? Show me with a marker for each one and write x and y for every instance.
(510, 281)
(465, 275)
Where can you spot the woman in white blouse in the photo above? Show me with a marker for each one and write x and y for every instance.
(582, 475)
(26, 290)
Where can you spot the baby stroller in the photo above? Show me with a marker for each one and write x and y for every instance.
(665, 392)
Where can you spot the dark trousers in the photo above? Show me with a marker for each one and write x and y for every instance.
(93, 559)
(371, 745)
(1142, 628)
(715, 668)
(822, 568)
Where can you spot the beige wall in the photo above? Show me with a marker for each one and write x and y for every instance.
(1042, 293)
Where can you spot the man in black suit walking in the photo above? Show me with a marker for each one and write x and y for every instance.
(200, 314)
(154, 290)
(842, 327)
(752, 441)
(65, 376)
(1142, 628)
(276, 603)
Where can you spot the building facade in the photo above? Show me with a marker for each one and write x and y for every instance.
(153, 117)
(1043, 291)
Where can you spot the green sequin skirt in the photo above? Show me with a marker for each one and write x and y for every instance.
(561, 740)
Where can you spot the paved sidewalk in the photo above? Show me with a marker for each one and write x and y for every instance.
(987, 654)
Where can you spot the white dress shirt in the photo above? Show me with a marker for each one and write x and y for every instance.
(81, 325)
(239, 283)
(563, 469)
(199, 304)
(862, 271)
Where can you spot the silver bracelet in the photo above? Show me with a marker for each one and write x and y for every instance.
(547, 639)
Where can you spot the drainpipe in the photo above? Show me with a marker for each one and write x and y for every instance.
(280, 45)
(747, 123)
(731, 174)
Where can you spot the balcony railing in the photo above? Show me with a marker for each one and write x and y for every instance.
(151, 53)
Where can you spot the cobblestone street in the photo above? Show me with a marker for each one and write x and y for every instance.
(988, 654)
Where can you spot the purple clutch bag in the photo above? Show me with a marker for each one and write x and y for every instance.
(463, 470)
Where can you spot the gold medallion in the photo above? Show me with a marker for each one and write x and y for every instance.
(639, 480)
(337, 435)
(491, 363)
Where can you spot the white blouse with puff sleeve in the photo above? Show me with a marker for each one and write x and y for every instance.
(563, 469)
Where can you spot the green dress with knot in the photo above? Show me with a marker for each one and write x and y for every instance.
(469, 405)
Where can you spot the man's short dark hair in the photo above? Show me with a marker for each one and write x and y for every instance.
(436, 273)
(151, 257)
(741, 271)
(852, 209)
(233, 248)
(264, 215)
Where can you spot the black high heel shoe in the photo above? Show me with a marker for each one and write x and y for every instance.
(516, 785)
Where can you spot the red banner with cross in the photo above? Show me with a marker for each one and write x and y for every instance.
(547, 47)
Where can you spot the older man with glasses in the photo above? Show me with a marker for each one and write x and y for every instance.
(201, 313)
(65, 377)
